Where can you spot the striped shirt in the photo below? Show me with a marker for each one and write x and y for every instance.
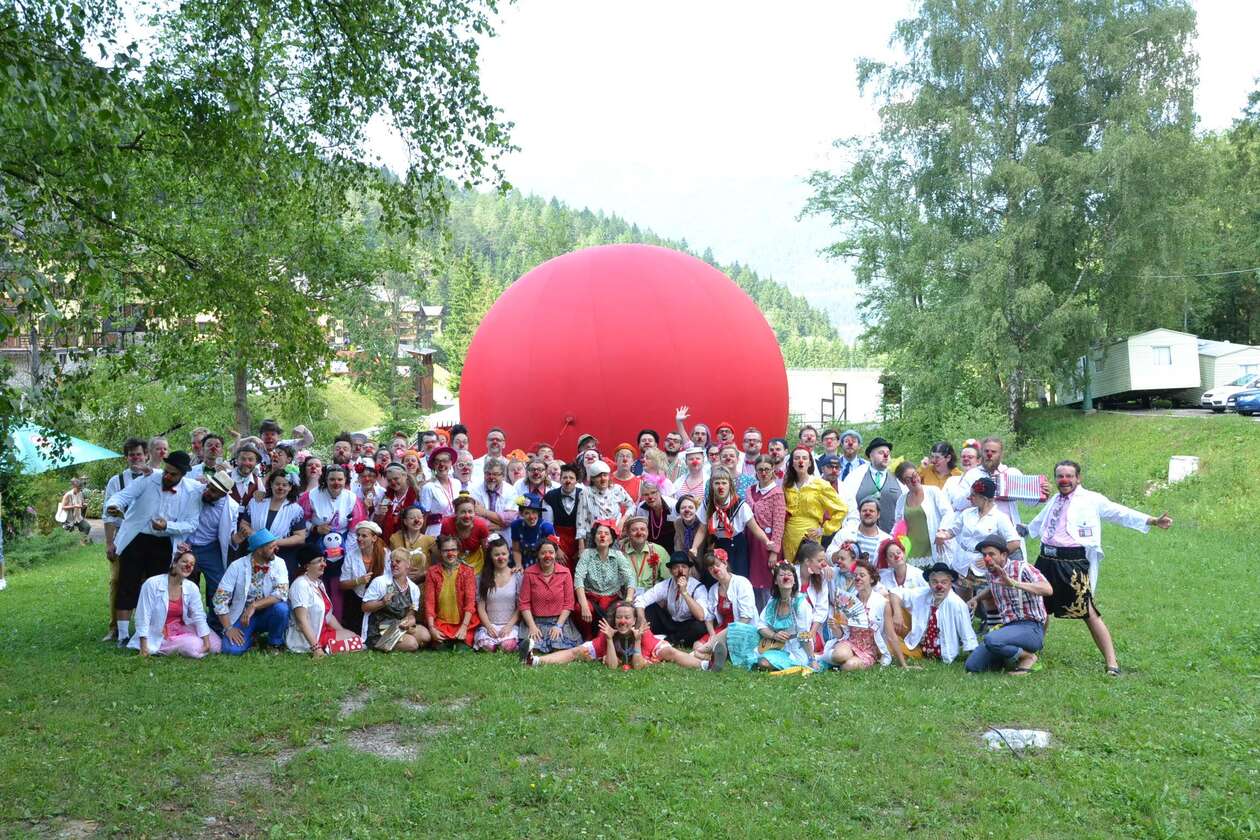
(1016, 604)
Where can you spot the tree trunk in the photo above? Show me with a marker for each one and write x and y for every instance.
(1015, 398)
(241, 401)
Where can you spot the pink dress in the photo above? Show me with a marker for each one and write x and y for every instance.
(770, 511)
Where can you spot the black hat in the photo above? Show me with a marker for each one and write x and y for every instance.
(679, 557)
(941, 567)
(993, 541)
(875, 444)
(179, 460)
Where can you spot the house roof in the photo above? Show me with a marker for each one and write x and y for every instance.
(1220, 348)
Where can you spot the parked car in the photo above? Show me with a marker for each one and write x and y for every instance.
(1217, 399)
(1246, 402)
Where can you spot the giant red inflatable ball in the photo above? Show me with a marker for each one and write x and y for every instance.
(612, 339)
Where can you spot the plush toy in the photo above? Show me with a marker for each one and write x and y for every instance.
(332, 546)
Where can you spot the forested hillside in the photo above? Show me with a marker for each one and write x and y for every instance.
(494, 239)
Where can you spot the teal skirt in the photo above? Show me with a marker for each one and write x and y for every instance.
(741, 645)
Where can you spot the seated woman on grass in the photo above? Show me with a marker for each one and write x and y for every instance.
(313, 628)
(450, 598)
(896, 576)
(546, 603)
(816, 577)
(497, 592)
(786, 618)
(418, 543)
(391, 603)
(731, 617)
(169, 616)
(860, 622)
(602, 577)
(624, 644)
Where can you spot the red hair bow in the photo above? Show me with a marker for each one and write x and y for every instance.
(720, 553)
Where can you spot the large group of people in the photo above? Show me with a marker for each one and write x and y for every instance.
(687, 548)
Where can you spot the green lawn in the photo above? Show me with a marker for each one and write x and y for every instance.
(92, 740)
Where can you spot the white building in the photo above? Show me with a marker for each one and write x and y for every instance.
(1157, 362)
(835, 396)
(1221, 363)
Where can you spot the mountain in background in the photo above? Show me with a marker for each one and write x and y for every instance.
(494, 239)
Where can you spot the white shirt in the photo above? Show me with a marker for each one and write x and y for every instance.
(504, 505)
(888, 581)
(144, 500)
(743, 601)
(953, 623)
(114, 485)
(237, 578)
(667, 591)
(961, 500)
(1085, 516)
(151, 612)
(969, 528)
(303, 593)
(379, 588)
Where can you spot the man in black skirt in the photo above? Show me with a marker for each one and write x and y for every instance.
(156, 511)
(1070, 529)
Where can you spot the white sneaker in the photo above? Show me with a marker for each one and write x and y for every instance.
(4, 584)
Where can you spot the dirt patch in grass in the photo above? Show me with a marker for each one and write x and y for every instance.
(63, 829)
(414, 706)
(353, 703)
(386, 740)
(213, 828)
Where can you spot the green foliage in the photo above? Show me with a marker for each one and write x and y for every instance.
(38, 549)
(1027, 181)
(470, 292)
(206, 171)
(922, 424)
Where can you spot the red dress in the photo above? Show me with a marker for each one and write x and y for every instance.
(725, 615)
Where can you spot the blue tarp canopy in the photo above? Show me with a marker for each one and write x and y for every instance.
(35, 448)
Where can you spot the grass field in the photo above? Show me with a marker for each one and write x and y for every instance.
(97, 743)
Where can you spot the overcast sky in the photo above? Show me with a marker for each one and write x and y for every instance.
(700, 120)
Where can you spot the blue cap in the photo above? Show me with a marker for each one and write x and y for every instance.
(828, 461)
(853, 432)
(260, 538)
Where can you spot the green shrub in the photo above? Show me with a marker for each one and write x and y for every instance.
(35, 549)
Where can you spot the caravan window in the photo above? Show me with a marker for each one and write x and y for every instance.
(1163, 356)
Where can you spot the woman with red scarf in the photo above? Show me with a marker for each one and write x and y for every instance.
(399, 495)
(728, 521)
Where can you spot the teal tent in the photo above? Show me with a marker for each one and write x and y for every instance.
(35, 448)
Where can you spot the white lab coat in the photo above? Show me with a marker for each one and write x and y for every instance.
(1085, 515)
(743, 601)
(151, 612)
(140, 502)
(953, 622)
(236, 581)
(305, 594)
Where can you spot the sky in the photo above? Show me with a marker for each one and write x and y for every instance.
(701, 120)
